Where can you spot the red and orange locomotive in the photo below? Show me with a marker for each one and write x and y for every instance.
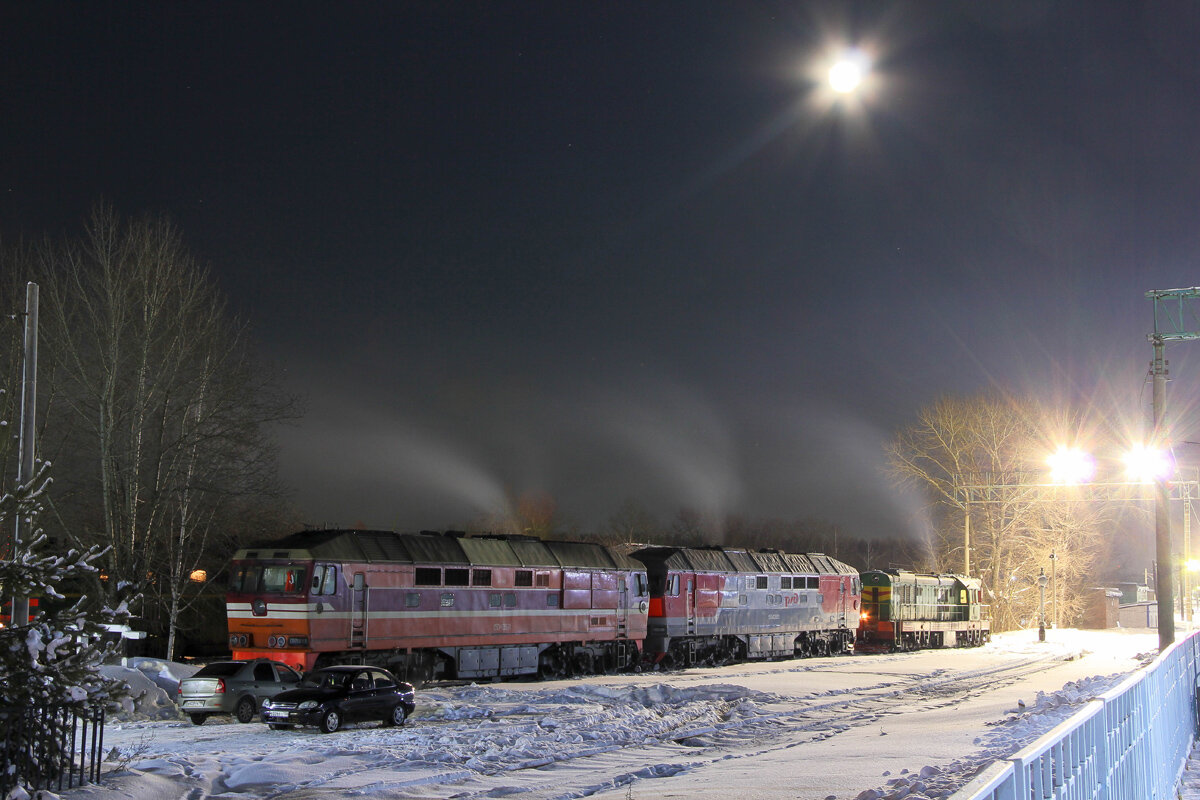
(433, 606)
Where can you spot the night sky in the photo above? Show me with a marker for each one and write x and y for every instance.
(625, 250)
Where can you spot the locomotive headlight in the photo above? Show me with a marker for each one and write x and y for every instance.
(864, 616)
(307, 705)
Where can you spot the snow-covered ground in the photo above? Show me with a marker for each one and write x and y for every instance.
(847, 727)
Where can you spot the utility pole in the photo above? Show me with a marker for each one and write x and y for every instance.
(20, 605)
(1174, 320)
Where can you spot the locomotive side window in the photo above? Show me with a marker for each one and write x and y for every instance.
(812, 583)
(524, 577)
(324, 580)
(457, 577)
(428, 576)
(640, 582)
(761, 582)
(481, 577)
(543, 580)
(673, 586)
(785, 582)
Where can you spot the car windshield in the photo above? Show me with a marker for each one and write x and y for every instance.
(325, 680)
(220, 669)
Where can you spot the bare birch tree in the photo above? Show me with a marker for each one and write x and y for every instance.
(166, 406)
(997, 446)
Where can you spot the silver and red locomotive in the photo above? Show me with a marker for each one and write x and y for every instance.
(716, 605)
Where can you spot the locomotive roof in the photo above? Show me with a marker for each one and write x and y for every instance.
(722, 559)
(927, 577)
(438, 548)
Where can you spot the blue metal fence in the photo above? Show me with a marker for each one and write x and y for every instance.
(1128, 744)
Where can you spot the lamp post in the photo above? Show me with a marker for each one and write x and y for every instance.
(1054, 590)
(1042, 581)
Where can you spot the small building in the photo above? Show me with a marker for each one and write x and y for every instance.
(1132, 592)
(1101, 608)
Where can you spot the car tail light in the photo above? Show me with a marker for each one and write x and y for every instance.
(220, 686)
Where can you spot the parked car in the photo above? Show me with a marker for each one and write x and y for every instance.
(233, 687)
(332, 696)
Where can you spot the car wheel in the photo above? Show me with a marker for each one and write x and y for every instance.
(397, 716)
(330, 721)
(245, 709)
(198, 719)
(278, 726)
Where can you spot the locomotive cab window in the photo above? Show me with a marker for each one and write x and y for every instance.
(283, 579)
(673, 586)
(244, 579)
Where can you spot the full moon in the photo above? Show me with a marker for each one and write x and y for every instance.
(845, 76)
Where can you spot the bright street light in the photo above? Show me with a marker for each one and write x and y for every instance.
(1147, 464)
(1071, 465)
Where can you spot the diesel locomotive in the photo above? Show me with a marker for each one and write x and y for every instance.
(908, 611)
(718, 605)
(430, 606)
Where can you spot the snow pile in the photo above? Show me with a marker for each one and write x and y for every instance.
(153, 685)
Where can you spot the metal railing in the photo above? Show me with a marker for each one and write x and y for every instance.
(1128, 744)
(51, 748)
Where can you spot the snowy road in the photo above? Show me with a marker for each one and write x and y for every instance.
(803, 729)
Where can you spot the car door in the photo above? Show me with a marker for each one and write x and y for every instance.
(263, 683)
(385, 696)
(285, 678)
(360, 694)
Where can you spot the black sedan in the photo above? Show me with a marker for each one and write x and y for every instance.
(333, 696)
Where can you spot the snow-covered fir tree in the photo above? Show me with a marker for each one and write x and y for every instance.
(48, 665)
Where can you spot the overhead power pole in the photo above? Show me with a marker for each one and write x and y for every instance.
(20, 604)
(1175, 320)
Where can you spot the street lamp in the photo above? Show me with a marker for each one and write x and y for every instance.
(1054, 591)
(1042, 581)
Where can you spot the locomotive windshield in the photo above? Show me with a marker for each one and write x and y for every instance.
(269, 578)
